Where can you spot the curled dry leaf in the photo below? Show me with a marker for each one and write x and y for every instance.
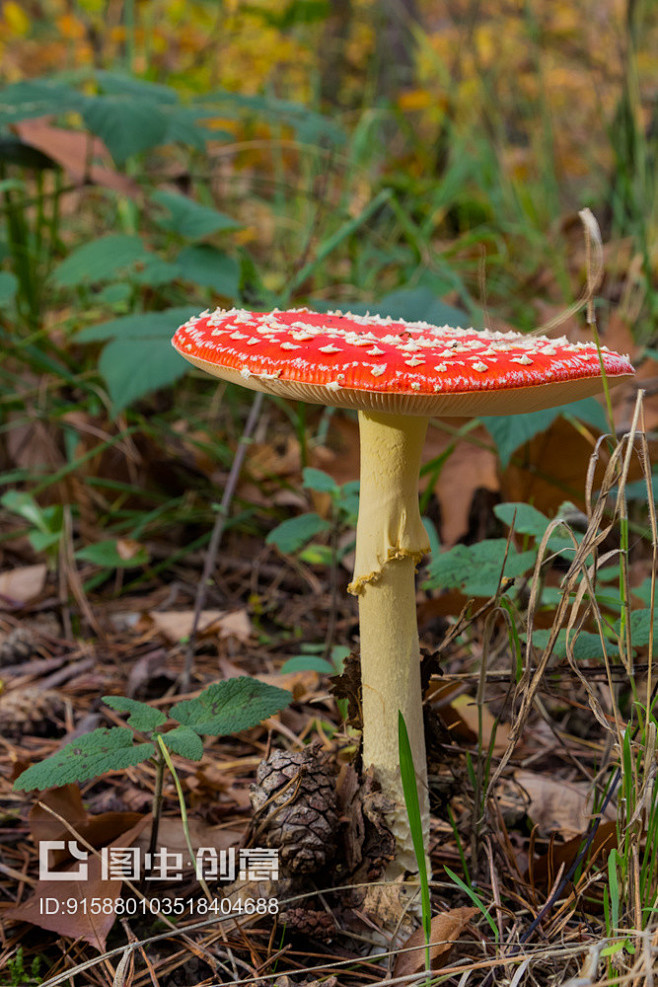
(445, 930)
(20, 585)
(177, 624)
(558, 806)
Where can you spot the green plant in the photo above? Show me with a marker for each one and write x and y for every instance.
(412, 803)
(222, 708)
(18, 975)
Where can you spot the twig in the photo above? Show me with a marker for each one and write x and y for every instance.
(216, 537)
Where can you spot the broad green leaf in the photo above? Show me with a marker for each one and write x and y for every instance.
(232, 705)
(8, 287)
(308, 663)
(106, 554)
(641, 628)
(585, 647)
(86, 757)
(22, 503)
(36, 98)
(135, 368)
(314, 479)
(476, 569)
(154, 272)
(411, 304)
(291, 535)
(43, 540)
(189, 218)
(100, 260)
(184, 741)
(527, 520)
(126, 125)
(209, 267)
(118, 84)
(144, 325)
(142, 716)
(512, 430)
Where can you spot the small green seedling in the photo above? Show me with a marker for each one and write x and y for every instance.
(223, 708)
(295, 536)
(46, 523)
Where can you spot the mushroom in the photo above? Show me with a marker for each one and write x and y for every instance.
(397, 375)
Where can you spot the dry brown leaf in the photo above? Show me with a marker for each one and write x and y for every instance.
(72, 150)
(23, 584)
(545, 869)
(177, 624)
(445, 930)
(558, 806)
(76, 920)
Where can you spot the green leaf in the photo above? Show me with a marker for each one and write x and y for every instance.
(36, 98)
(586, 647)
(100, 260)
(318, 480)
(8, 288)
(140, 357)
(640, 628)
(105, 554)
(511, 431)
(126, 125)
(527, 520)
(308, 663)
(209, 267)
(232, 705)
(410, 790)
(145, 325)
(135, 368)
(291, 535)
(22, 503)
(476, 569)
(117, 84)
(316, 554)
(142, 716)
(154, 272)
(411, 304)
(184, 741)
(86, 757)
(189, 218)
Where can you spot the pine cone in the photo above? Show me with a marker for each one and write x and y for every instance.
(294, 799)
(30, 711)
(18, 646)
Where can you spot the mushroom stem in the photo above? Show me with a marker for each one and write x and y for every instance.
(390, 540)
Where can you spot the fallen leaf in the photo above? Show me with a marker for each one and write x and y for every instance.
(177, 624)
(545, 869)
(73, 150)
(558, 806)
(23, 584)
(70, 900)
(445, 930)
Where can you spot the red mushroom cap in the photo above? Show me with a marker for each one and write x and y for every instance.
(378, 364)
